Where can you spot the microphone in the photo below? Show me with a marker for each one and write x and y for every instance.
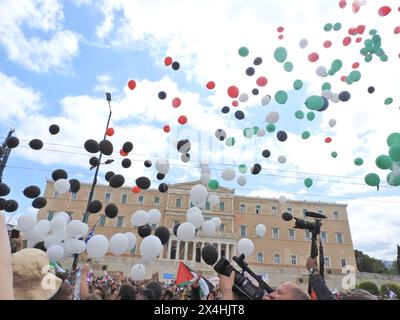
(287, 216)
(314, 215)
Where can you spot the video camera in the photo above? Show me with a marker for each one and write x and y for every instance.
(242, 286)
(313, 227)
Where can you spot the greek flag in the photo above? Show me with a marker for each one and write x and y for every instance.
(91, 233)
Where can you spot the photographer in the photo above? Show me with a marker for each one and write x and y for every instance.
(318, 284)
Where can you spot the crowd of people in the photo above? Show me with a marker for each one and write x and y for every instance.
(27, 274)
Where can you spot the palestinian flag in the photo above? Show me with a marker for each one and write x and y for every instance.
(186, 276)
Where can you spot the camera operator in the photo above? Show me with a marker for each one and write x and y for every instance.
(317, 281)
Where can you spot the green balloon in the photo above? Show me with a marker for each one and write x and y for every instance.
(288, 66)
(355, 75)
(393, 138)
(213, 184)
(243, 168)
(310, 116)
(384, 162)
(255, 130)
(328, 27)
(248, 133)
(372, 179)
(230, 141)
(337, 26)
(349, 81)
(280, 54)
(270, 127)
(308, 182)
(243, 52)
(394, 152)
(358, 161)
(336, 65)
(393, 179)
(384, 58)
(326, 86)
(305, 135)
(334, 154)
(372, 32)
(299, 114)
(388, 101)
(368, 58)
(297, 84)
(368, 43)
(314, 102)
(281, 97)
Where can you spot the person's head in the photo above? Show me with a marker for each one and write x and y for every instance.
(156, 288)
(65, 292)
(146, 294)
(289, 291)
(100, 293)
(167, 295)
(127, 292)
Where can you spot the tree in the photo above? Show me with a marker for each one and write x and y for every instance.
(366, 263)
(370, 287)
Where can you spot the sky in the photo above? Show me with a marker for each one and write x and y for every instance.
(59, 58)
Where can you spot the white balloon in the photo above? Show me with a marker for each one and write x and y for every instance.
(97, 246)
(61, 233)
(62, 186)
(303, 43)
(335, 98)
(55, 253)
(119, 243)
(70, 246)
(43, 227)
(186, 231)
(243, 97)
(26, 222)
(154, 215)
(77, 228)
(208, 227)
(228, 174)
(65, 216)
(327, 94)
(131, 240)
(140, 218)
(204, 179)
(321, 71)
(32, 242)
(261, 230)
(282, 199)
(245, 246)
(80, 247)
(281, 159)
(150, 247)
(261, 133)
(266, 100)
(57, 224)
(33, 233)
(162, 165)
(138, 272)
(195, 218)
(241, 180)
(185, 157)
(332, 123)
(198, 193)
(272, 117)
(213, 200)
(217, 221)
(200, 205)
(52, 240)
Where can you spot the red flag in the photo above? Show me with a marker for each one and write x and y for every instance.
(184, 275)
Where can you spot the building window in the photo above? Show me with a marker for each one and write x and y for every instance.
(50, 215)
(157, 201)
(290, 210)
(208, 207)
(339, 238)
(260, 257)
(335, 215)
(307, 235)
(293, 259)
(124, 198)
(243, 231)
(107, 197)
(277, 258)
(258, 209)
(175, 223)
(324, 236)
(140, 200)
(73, 196)
(327, 262)
(173, 250)
(178, 202)
(292, 234)
(242, 208)
(221, 206)
(304, 213)
(102, 221)
(221, 227)
(275, 233)
(343, 262)
(56, 195)
(120, 221)
(274, 211)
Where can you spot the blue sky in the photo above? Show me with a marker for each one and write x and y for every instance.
(58, 58)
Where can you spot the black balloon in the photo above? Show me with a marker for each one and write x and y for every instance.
(12, 142)
(111, 210)
(162, 233)
(256, 169)
(162, 95)
(144, 231)
(106, 147)
(94, 161)
(143, 183)
(163, 187)
(266, 153)
(75, 185)
(91, 146)
(126, 163)
(257, 61)
(175, 65)
(117, 181)
(148, 163)
(40, 246)
(127, 147)
(39, 203)
(255, 91)
(32, 192)
(54, 129)
(239, 115)
(371, 89)
(2, 203)
(11, 206)
(59, 174)
(344, 96)
(209, 253)
(4, 189)
(225, 109)
(250, 71)
(94, 206)
(160, 176)
(36, 144)
(281, 136)
(176, 229)
(183, 145)
(325, 105)
(109, 175)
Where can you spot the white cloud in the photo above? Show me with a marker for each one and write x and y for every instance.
(104, 84)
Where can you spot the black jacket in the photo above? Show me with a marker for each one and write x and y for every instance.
(319, 286)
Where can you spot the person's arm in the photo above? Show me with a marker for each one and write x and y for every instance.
(6, 274)
(84, 290)
(196, 288)
(317, 282)
(226, 285)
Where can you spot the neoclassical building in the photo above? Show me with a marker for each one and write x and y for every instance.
(280, 255)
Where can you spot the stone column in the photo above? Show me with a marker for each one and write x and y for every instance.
(201, 248)
(219, 250)
(227, 253)
(194, 251)
(185, 254)
(169, 249)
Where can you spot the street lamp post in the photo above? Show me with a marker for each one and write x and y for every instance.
(91, 194)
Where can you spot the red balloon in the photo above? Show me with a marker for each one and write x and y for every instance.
(342, 4)
(110, 132)
(360, 29)
(397, 30)
(343, 78)
(352, 31)
(176, 102)
(136, 189)
(235, 103)
(167, 128)
(358, 39)
(356, 6)
(131, 84)
(280, 37)
(328, 140)
(233, 92)
(384, 11)
(168, 61)
(355, 65)
(346, 41)
(327, 44)
(182, 119)
(262, 81)
(313, 57)
(123, 153)
(280, 29)
(210, 85)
